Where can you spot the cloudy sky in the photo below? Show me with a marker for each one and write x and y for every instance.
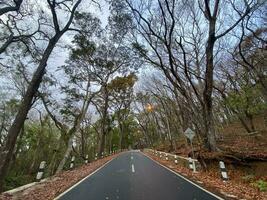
(60, 54)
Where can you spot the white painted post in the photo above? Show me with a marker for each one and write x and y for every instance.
(175, 159)
(102, 154)
(96, 156)
(192, 164)
(224, 174)
(86, 159)
(40, 171)
(166, 156)
(72, 162)
(160, 154)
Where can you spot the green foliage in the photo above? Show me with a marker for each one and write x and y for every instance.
(84, 46)
(247, 99)
(37, 143)
(13, 181)
(122, 84)
(140, 49)
(120, 20)
(261, 185)
(115, 138)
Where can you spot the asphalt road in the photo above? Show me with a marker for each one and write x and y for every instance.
(133, 176)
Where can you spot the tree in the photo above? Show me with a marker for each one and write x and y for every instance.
(78, 90)
(26, 102)
(9, 8)
(122, 96)
(165, 42)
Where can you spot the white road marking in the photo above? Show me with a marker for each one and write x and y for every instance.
(60, 195)
(184, 178)
(133, 168)
(131, 157)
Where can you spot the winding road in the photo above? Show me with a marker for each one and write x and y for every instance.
(134, 176)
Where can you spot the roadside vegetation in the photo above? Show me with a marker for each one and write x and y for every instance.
(78, 83)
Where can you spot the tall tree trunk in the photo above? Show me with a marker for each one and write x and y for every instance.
(250, 118)
(209, 140)
(34, 159)
(110, 142)
(76, 126)
(83, 144)
(244, 124)
(172, 142)
(26, 103)
(104, 122)
(66, 156)
(102, 144)
(18, 145)
(52, 164)
(71, 133)
(121, 135)
(147, 139)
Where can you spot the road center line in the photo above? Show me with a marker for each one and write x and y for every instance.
(133, 168)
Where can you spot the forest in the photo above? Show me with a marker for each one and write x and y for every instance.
(85, 78)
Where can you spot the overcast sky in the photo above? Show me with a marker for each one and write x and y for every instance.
(60, 53)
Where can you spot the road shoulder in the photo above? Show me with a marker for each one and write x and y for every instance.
(52, 187)
(209, 182)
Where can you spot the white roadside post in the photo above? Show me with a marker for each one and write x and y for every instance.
(191, 166)
(194, 165)
(72, 162)
(40, 171)
(224, 174)
(102, 154)
(86, 159)
(96, 156)
(175, 159)
(166, 155)
(160, 154)
(190, 135)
